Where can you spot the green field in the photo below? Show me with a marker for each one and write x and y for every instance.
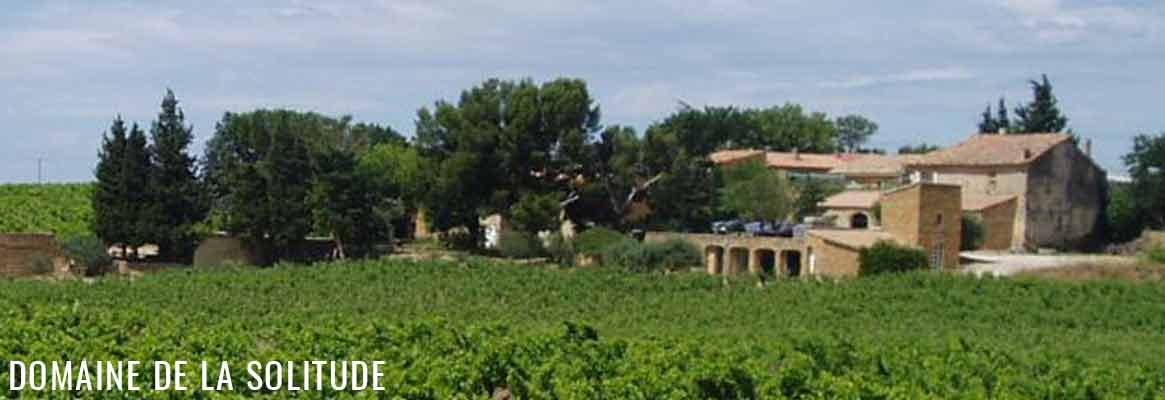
(63, 209)
(461, 330)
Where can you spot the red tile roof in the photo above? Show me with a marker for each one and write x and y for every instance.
(994, 150)
(980, 202)
(859, 199)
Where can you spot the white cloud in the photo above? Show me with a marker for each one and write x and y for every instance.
(912, 76)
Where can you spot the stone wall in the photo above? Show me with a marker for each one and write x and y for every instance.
(992, 181)
(998, 225)
(830, 259)
(1065, 199)
(18, 251)
(928, 215)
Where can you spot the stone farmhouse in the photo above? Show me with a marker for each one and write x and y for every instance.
(1028, 191)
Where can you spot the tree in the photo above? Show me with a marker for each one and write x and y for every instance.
(402, 177)
(345, 206)
(790, 128)
(810, 193)
(853, 131)
(1124, 220)
(535, 213)
(110, 199)
(174, 187)
(504, 140)
(752, 191)
(137, 168)
(1042, 114)
(259, 169)
(921, 148)
(1146, 165)
(988, 124)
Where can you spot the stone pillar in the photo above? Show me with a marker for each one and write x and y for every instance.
(754, 262)
(713, 260)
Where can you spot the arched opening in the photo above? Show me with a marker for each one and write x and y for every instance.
(768, 262)
(714, 256)
(859, 221)
(792, 263)
(737, 261)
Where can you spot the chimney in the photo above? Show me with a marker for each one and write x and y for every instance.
(1088, 147)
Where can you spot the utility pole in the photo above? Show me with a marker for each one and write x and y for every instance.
(39, 171)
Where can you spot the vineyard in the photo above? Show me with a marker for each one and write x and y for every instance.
(467, 330)
(63, 209)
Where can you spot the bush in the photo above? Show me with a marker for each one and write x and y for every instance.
(972, 234)
(560, 249)
(90, 254)
(595, 241)
(40, 264)
(651, 257)
(518, 244)
(1154, 255)
(886, 257)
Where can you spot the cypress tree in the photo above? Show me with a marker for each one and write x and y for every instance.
(141, 211)
(174, 185)
(988, 125)
(1002, 121)
(109, 194)
(1043, 113)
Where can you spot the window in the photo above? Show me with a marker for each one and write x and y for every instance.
(939, 219)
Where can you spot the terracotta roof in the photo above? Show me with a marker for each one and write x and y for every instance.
(822, 162)
(980, 202)
(855, 239)
(991, 149)
(876, 165)
(861, 199)
(731, 156)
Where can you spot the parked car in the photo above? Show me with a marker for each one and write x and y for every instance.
(723, 227)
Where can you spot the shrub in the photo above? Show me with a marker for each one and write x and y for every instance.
(972, 234)
(560, 249)
(519, 244)
(651, 257)
(595, 241)
(887, 257)
(1154, 255)
(40, 264)
(89, 252)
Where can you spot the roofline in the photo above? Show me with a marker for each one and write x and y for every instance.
(912, 185)
(1063, 138)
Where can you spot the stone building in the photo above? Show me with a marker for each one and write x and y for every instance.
(1058, 191)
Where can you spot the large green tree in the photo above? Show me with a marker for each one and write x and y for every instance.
(137, 169)
(111, 208)
(263, 165)
(790, 128)
(174, 189)
(1146, 165)
(752, 191)
(853, 131)
(502, 141)
(1042, 114)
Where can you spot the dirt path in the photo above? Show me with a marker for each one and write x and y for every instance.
(1007, 264)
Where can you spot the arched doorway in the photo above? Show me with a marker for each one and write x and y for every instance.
(768, 262)
(714, 256)
(859, 221)
(792, 263)
(737, 261)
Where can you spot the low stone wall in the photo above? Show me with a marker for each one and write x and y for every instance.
(19, 253)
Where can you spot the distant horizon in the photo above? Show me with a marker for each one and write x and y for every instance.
(923, 71)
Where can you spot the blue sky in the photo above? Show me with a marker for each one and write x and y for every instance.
(923, 70)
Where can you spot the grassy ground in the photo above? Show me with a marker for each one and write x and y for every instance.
(904, 336)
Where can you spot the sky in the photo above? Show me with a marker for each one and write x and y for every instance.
(923, 70)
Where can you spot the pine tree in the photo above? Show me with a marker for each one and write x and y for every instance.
(174, 187)
(1043, 114)
(141, 212)
(988, 125)
(109, 194)
(1002, 122)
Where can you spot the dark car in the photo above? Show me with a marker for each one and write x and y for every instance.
(732, 225)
